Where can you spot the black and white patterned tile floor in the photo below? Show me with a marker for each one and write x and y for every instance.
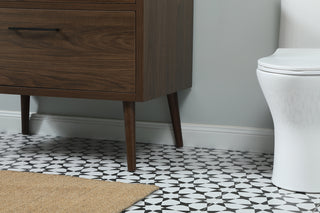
(190, 179)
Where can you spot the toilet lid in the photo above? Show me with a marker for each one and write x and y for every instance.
(292, 62)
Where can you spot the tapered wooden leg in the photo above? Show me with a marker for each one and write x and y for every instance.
(25, 108)
(130, 126)
(175, 118)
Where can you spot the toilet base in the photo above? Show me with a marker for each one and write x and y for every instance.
(297, 160)
(294, 102)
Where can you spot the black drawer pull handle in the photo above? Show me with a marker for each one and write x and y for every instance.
(34, 29)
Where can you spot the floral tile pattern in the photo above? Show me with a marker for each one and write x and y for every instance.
(190, 179)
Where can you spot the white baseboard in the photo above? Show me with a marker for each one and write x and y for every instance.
(196, 135)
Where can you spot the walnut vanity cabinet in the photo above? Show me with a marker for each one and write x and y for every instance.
(126, 50)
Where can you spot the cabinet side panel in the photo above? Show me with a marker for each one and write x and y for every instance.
(168, 42)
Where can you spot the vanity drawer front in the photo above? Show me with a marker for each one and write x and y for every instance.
(68, 49)
(80, 1)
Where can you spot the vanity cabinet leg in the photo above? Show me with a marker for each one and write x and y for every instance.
(175, 118)
(25, 108)
(130, 127)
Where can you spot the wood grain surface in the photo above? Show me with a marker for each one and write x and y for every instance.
(138, 49)
(78, 1)
(94, 50)
(59, 5)
(167, 47)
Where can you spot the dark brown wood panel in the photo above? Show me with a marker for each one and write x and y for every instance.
(88, 5)
(67, 93)
(167, 51)
(79, 1)
(139, 50)
(94, 50)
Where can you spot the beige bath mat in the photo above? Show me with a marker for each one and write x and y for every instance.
(32, 192)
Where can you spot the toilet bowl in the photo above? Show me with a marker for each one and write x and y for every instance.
(290, 81)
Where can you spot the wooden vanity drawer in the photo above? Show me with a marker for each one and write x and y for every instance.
(68, 49)
(80, 1)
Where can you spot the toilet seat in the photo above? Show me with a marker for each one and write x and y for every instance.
(292, 62)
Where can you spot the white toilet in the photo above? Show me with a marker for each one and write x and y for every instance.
(290, 81)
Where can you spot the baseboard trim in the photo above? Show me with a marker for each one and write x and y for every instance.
(196, 135)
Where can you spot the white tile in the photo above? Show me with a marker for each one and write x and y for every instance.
(216, 208)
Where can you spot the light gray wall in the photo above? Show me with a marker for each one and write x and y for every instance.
(229, 37)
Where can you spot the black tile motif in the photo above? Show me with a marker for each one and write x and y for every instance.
(190, 179)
